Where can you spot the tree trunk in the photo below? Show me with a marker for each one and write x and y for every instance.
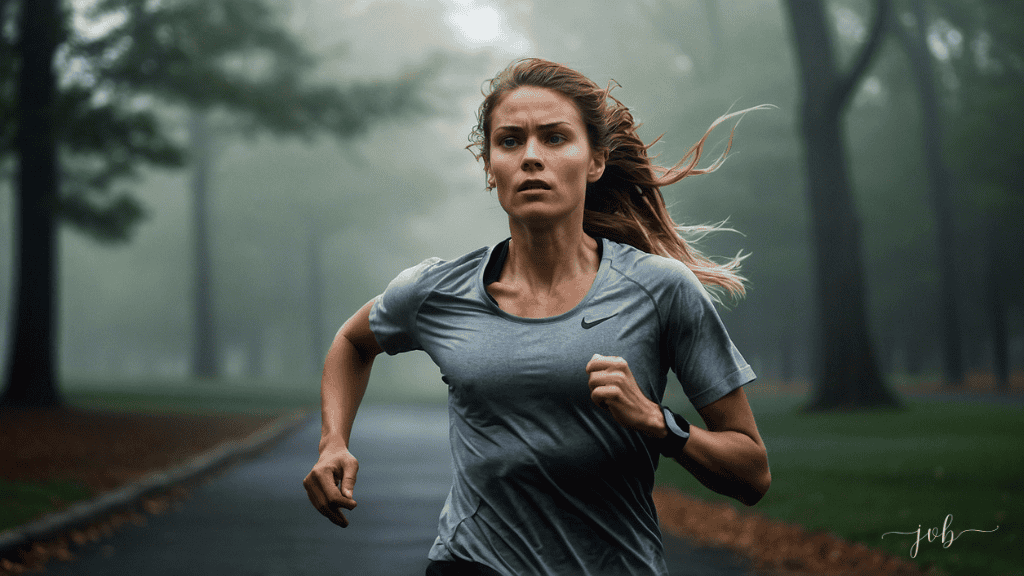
(846, 373)
(996, 304)
(787, 360)
(205, 362)
(940, 186)
(31, 379)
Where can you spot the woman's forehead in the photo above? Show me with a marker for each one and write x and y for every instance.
(535, 106)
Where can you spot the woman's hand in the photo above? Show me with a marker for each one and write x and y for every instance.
(613, 387)
(322, 486)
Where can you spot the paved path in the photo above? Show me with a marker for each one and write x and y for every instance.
(255, 520)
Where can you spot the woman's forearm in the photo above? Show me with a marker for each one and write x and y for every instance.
(728, 462)
(345, 377)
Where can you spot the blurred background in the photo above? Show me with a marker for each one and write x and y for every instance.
(235, 178)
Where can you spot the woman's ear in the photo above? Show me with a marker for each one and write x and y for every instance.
(490, 177)
(598, 159)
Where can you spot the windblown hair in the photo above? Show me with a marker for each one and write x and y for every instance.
(625, 204)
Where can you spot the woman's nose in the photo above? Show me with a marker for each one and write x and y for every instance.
(531, 155)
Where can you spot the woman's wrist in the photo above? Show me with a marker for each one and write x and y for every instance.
(333, 443)
(656, 427)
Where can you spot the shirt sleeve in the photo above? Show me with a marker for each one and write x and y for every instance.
(702, 355)
(393, 314)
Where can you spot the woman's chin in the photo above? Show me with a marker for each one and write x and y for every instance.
(541, 214)
(540, 217)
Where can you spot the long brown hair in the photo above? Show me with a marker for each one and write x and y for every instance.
(626, 204)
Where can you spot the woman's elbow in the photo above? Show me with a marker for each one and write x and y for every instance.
(758, 485)
(756, 490)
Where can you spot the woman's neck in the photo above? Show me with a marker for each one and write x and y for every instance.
(550, 255)
(547, 272)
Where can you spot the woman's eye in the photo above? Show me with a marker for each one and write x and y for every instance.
(508, 142)
(556, 139)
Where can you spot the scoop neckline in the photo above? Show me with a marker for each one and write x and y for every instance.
(602, 270)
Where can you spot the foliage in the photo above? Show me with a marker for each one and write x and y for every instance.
(126, 61)
(984, 88)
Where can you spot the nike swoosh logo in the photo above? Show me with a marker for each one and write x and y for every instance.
(587, 325)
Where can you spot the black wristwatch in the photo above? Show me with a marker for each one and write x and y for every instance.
(678, 433)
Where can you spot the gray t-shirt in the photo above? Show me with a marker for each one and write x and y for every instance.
(545, 482)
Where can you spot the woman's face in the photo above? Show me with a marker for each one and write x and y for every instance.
(540, 158)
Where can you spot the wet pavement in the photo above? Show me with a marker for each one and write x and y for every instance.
(254, 519)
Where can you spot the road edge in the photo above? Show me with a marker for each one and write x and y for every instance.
(86, 512)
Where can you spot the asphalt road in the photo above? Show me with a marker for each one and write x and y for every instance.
(254, 519)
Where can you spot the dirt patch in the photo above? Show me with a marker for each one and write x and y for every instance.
(104, 451)
(774, 547)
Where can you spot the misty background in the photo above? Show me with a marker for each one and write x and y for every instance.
(303, 231)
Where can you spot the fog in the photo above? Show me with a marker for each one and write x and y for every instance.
(363, 209)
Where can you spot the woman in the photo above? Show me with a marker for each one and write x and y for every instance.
(555, 345)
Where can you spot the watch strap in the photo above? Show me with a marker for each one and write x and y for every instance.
(678, 433)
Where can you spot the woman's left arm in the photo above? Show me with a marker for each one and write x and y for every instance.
(728, 457)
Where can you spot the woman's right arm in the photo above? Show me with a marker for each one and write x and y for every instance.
(346, 373)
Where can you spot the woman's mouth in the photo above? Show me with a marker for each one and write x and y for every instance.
(533, 185)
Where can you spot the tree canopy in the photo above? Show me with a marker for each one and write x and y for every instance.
(100, 93)
(121, 62)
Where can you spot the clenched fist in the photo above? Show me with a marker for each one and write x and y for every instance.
(613, 387)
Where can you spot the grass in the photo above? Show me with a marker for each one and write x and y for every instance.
(199, 396)
(190, 397)
(860, 475)
(23, 501)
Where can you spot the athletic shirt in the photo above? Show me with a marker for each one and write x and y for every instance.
(545, 482)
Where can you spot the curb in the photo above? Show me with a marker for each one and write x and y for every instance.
(89, 511)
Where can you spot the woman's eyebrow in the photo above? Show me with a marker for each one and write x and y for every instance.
(548, 126)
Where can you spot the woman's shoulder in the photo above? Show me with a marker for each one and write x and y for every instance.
(652, 271)
(434, 270)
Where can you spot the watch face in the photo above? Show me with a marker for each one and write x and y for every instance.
(678, 433)
(672, 422)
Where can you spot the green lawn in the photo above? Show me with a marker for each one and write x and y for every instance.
(192, 397)
(23, 501)
(860, 475)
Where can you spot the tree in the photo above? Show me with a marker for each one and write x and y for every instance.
(846, 370)
(35, 141)
(109, 115)
(987, 155)
(204, 346)
(914, 40)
